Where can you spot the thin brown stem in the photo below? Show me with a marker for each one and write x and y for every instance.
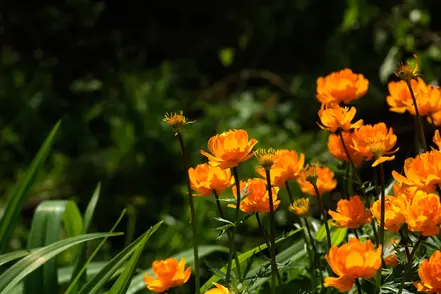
(288, 189)
(262, 229)
(409, 264)
(404, 241)
(420, 129)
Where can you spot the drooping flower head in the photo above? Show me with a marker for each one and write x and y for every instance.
(351, 213)
(424, 214)
(177, 120)
(322, 177)
(350, 261)
(229, 148)
(256, 197)
(335, 118)
(341, 86)
(408, 71)
(206, 178)
(220, 289)
(336, 148)
(375, 141)
(286, 167)
(430, 274)
(395, 209)
(300, 206)
(169, 273)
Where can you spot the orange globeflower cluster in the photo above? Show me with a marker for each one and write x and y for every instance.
(323, 178)
(351, 261)
(229, 148)
(337, 149)
(342, 86)
(335, 118)
(287, 166)
(351, 213)
(256, 197)
(395, 212)
(375, 141)
(430, 274)
(205, 179)
(220, 289)
(169, 274)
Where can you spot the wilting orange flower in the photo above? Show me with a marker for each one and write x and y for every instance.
(422, 172)
(169, 274)
(287, 167)
(256, 197)
(395, 208)
(323, 177)
(350, 261)
(424, 214)
(336, 148)
(430, 274)
(406, 72)
(351, 213)
(229, 148)
(375, 141)
(300, 206)
(390, 254)
(218, 290)
(176, 120)
(206, 178)
(266, 157)
(335, 118)
(341, 86)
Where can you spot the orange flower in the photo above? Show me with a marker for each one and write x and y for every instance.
(257, 198)
(404, 189)
(323, 177)
(406, 72)
(169, 274)
(176, 120)
(436, 119)
(229, 148)
(422, 172)
(437, 139)
(350, 261)
(341, 86)
(335, 118)
(390, 253)
(375, 141)
(351, 213)
(266, 157)
(424, 214)
(286, 167)
(218, 290)
(206, 178)
(430, 274)
(396, 209)
(300, 206)
(336, 148)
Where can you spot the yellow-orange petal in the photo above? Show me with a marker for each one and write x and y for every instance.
(383, 159)
(343, 283)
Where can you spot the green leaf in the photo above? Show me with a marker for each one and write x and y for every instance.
(226, 56)
(122, 284)
(321, 233)
(15, 203)
(11, 277)
(95, 284)
(338, 236)
(243, 257)
(5, 258)
(81, 259)
(47, 228)
(137, 283)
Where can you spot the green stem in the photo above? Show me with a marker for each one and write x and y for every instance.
(193, 216)
(311, 253)
(382, 214)
(325, 216)
(420, 129)
(409, 265)
(233, 233)
(262, 229)
(357, 282)
(288, 189)
(274, 270)
(404, 241)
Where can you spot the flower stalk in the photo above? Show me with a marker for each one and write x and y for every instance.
(382, 216)
(409, 264)
(420, 129)
(325, 217)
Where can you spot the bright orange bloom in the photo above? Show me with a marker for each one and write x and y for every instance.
(266, 157)
(390, 253)
(286, 167)
(422, 172)
(424, 214)
(436, 119)
(350, 261)
(169, 274)
(437, 139)
(396, 209)
(406, 72)
(218, 290)
(257, 197)
(336, 148)
(341, 86)
(229, 148)
(430, 274)
(323, 177)
(375, 141)
(404, 189)
(176, 120)
(206, 178)
(300, 206)
(335, 118)
(351, 213)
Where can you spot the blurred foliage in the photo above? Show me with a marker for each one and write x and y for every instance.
(111, 69)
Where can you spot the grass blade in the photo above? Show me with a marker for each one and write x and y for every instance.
(15, 202)
(11, 277)
(8, 257)
(97, 282)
